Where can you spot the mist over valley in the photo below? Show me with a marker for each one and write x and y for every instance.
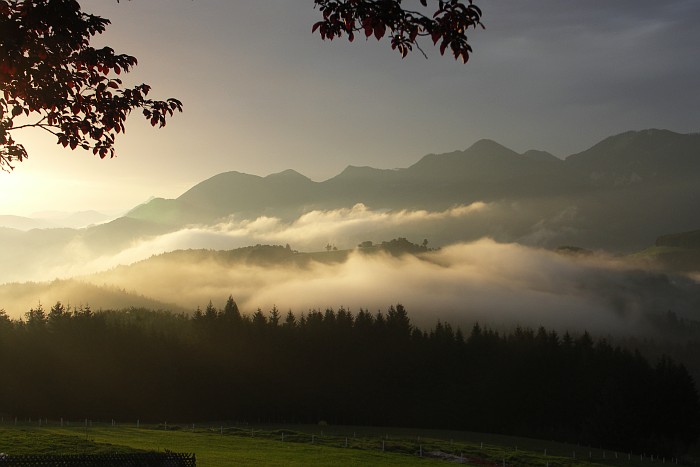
(494, 218)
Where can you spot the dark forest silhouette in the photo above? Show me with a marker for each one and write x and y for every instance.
(341, 368)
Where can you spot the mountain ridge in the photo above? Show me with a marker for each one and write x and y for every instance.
(618, 195)
(613, 187)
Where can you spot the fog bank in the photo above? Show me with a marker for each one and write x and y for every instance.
(472, 277)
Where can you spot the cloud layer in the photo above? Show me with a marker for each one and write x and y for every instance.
(500, 284)
(488, 280)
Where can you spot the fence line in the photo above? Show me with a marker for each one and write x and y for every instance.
(148, 459)
(456, 451)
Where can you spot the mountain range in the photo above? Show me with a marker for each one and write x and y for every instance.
(619, 196)
(625, 191)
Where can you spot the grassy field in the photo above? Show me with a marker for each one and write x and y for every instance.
(306, 445)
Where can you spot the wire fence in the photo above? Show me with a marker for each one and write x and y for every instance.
(495, 450)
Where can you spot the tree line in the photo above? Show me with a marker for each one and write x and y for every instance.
(345, 368)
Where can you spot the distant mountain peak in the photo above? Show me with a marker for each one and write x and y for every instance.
(287, 174)
(483, 150)
(486, 145)
(354, 172)
(634, 137)
(489, 149)
(648, 154)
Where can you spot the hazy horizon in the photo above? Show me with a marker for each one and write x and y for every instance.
(497, 282)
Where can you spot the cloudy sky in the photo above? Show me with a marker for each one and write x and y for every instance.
(263, 94)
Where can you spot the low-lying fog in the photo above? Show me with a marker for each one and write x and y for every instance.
(44, 255)
(485, 280)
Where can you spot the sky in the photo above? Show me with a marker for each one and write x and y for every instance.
(262, 94)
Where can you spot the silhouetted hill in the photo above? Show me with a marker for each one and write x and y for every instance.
(17, 299)
(168, 212)
(687, 240)
(242, 194)
(637, 156)
(678, 252)
(485, 160)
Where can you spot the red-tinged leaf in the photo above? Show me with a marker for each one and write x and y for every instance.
(379, 31)
(73, 144)
(443, 46)
(154, 121)
(435, 36)
(424, 2)
(17, 110)
(316, 26)
(117, 70)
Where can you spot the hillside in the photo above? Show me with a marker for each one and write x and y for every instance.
(639, 156)
(678, 252)
(17, 299)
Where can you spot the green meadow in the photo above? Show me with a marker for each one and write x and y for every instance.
(308, 445)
